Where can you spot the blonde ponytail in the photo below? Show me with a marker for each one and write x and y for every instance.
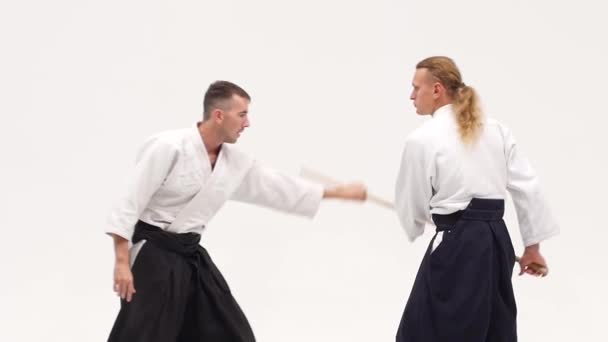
(468, 114)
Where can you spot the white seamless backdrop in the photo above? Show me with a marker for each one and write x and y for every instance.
(82, 83)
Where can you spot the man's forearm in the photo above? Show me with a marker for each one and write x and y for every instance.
(121, 249)
(346, 191)
(331, 193)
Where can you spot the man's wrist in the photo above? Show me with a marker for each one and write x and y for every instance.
(533, 248)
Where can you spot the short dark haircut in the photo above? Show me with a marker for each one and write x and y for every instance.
(220, 91)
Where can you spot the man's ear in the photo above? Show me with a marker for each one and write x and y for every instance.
(218, 115)
(437, 90)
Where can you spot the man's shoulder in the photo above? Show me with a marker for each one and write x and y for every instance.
(425, 133)
(175, 136)
(165, 141)
(497, 127)
(236, 156)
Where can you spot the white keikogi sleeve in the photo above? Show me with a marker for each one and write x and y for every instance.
(536, 222)
(413, 189)
(269, 188)
(153, 163)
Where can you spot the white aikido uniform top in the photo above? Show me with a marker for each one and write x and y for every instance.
(439, 174)
(172, 167)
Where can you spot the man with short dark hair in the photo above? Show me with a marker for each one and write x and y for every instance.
(182, 178)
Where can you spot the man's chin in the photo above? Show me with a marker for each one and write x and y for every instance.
(422, 112)
(231, 140)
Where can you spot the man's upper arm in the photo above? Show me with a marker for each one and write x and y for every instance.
(413, 189)
(154, 162)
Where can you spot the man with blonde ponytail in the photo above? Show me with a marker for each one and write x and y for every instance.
(455, 171)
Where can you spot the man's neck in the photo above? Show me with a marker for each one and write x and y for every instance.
(211, 139)
(440, 103)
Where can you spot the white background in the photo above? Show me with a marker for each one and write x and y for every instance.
(82, 83)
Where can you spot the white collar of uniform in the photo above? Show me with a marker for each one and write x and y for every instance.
(197, 139)
(443, 111)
